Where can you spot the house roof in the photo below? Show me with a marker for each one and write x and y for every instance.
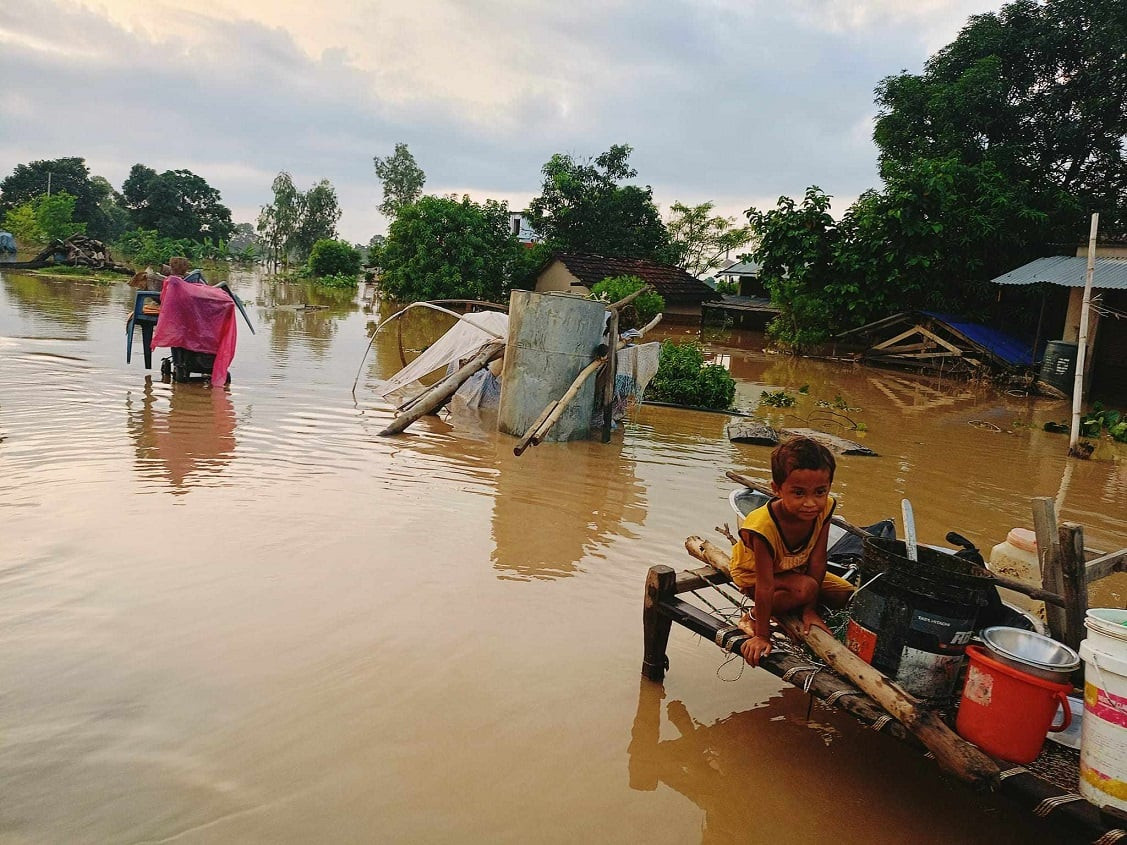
(741, 268)
(1068, 271)
(985, 341)
(673, 283)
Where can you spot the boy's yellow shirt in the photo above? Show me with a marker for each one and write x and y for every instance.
(761, 521)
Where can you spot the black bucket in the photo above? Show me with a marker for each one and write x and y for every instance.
(913, 620)
(1058, 367)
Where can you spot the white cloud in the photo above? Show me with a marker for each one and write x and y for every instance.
(722, 100)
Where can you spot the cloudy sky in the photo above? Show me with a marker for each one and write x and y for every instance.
(734, 101)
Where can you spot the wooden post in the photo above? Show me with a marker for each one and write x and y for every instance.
(522, 444)
(1045, 526)
(655, 625)
(611, 375)
(443, 390)
(1074, 575)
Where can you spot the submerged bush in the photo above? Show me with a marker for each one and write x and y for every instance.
(639, 312)
(684, 379)
(334, 258)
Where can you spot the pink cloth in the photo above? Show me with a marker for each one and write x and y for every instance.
(200, 318)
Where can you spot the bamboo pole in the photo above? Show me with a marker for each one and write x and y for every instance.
(439, 393)
(626, 300)
(1082, 342)
(953, 753)
(561, 405)
(522, 444)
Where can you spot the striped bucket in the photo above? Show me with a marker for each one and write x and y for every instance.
(1103, 736)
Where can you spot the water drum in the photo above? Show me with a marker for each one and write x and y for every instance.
(1103, 734)
(1006, 712)
(913, 620)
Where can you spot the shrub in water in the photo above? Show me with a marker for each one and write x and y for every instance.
(334, 258)
(684, 379)
(639, 312)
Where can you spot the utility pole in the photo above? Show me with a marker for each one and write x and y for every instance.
(48, 183)
(1082, 341)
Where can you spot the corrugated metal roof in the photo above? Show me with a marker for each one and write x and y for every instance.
(1068, 271)
(741, 268)
(1006, 347)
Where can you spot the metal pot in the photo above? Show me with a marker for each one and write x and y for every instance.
(1035, 654)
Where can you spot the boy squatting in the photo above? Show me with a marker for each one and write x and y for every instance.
(780, 559)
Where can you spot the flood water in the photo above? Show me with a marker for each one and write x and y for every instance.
(242, 616)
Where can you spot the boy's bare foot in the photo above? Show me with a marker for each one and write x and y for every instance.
(811, 619)
(747, 625)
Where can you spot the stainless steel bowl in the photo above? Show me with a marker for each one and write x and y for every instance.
(1035, 654)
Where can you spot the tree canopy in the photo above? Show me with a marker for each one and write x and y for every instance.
(701, 239)
(177, 203)
(991, 157)
(583, 207)
(443, 248)
(402, 180)
(318, 214)
(1036, 91)
(94, 198)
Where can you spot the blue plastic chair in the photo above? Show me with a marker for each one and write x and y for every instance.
(147, 322)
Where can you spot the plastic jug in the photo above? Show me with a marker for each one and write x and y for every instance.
(1016, 557)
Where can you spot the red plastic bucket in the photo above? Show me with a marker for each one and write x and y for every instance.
(1006, 712)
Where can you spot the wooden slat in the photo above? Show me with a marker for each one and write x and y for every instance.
(1048, 554)
(1105, 565)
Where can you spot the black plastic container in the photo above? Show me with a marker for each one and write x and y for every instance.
(1058, 366)
(913, 620)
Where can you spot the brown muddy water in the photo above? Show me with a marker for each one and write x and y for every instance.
(242, 616)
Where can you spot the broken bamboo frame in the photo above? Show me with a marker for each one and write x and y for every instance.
(952, 752)
(552, 413)
(524, 442)
(1034, 592)
(440, 392)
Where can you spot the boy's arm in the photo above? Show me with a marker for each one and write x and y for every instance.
(816, 569)
(764, 586)
(816, 565)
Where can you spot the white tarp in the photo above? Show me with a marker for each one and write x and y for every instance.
(461, 341)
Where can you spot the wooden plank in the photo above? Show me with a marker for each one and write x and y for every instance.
(1075, 584)
(902, 336)
(1105, 565)
(1048, 554)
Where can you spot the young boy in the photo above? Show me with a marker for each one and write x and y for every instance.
(780, 559)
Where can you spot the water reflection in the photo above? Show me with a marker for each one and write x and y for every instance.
(771, 775)
(559, 504)
(303, 315)
(60, 303)
(183, 433)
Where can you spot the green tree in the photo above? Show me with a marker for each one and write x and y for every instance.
(22, 222)
(443, 248)
(55, 215)
(334, 258)
(701, 239)
(402, 180)
(177, 203)
(318, 215)
(1038, 92)
(278, 221)
(94, 197)
(583, 207)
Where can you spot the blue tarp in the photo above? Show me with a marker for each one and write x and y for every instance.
(1009, 349)
(7, 243)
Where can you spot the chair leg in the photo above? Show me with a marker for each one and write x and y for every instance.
(129, 324)
(147, 337)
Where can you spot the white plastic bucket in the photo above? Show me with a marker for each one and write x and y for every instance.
(1103, 735)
